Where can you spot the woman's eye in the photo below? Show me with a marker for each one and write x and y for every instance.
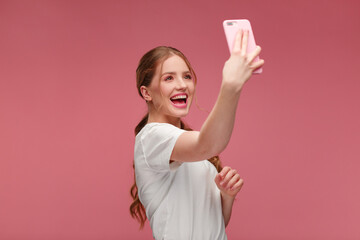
(188, 76)
(168, 78)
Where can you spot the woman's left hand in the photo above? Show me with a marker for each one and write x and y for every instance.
(229, 182)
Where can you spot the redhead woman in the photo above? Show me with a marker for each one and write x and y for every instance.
(180, 185)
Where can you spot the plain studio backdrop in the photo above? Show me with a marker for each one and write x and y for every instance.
(69, 105)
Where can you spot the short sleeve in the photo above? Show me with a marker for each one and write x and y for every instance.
(158, 142)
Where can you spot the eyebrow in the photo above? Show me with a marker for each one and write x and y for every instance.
(173, 73)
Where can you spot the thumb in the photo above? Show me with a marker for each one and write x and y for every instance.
(217, 179)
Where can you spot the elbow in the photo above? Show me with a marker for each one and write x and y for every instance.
(209, 151)
(208, 148)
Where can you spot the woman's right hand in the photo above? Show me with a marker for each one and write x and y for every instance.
(240, 66)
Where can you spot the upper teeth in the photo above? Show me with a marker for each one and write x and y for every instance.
(179, 96)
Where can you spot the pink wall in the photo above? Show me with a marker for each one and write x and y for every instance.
(68, 106)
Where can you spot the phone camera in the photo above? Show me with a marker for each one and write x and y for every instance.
(231, 23)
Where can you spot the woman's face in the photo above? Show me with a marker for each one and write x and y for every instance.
(172, 96)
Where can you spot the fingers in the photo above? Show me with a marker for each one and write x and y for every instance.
(244, 42)
(257, 64)
(254, 54)
(237, 44)
(224, 171)
(229, 175)
(238, 184)
(229, 178)
(232, 181)
(221, 175)
(218, 179)
(241, 42)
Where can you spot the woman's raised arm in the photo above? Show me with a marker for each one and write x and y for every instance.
(217, 128)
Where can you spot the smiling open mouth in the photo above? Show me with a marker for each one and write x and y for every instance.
(179, 100)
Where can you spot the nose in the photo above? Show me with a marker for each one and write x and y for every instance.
(180, 84)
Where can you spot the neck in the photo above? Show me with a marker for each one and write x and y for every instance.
(165, 119)
(154, 116)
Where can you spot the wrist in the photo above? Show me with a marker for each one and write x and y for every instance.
(230, 87)
(228, 92)
(227, 197)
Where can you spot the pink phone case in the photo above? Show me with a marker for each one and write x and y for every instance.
(231, 27)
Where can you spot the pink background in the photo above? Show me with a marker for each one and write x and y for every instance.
(68, 107)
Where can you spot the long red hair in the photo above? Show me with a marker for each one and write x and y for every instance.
(144, 75)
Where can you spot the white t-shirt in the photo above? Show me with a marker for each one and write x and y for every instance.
(181, 200)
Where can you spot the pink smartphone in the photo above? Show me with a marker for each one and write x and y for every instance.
(231, 27)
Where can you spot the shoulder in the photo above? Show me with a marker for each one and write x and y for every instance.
(157, 131)
(154, 145)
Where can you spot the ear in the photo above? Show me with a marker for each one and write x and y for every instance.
(145, 93)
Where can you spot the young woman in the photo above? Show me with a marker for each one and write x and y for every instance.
(183, 195)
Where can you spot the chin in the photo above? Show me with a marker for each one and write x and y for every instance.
(181, 115)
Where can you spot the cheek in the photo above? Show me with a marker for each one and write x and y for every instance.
(191, 88)
(166, 90)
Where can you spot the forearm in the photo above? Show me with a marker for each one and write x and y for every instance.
(227, 204)
(217, 129)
